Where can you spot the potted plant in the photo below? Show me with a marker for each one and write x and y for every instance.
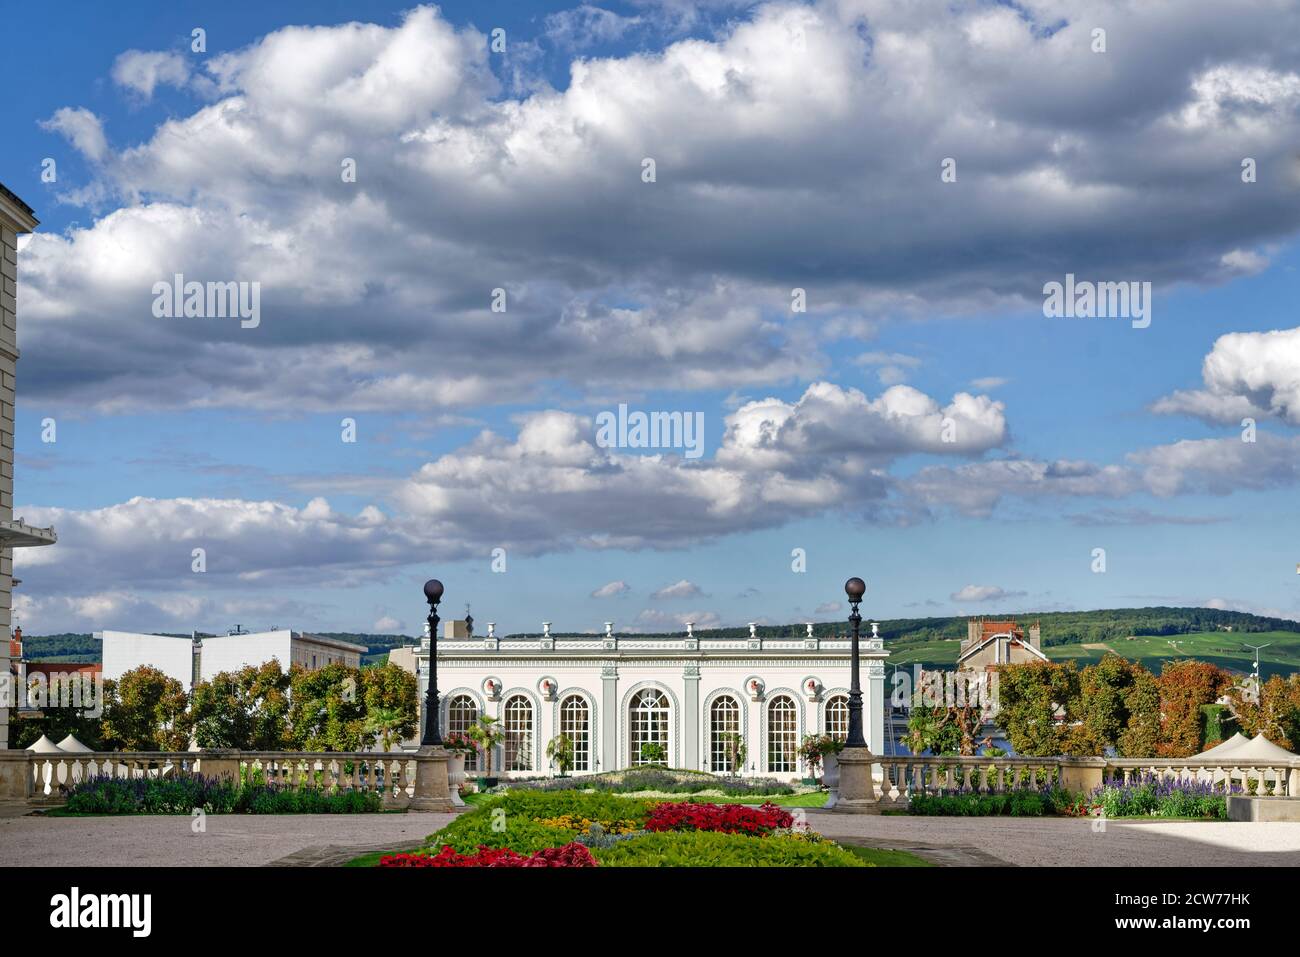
(819, 753)
(487, 735)
(560, 752)
(734, 742)
(460, 746)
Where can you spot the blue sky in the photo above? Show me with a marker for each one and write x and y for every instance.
(796, 146)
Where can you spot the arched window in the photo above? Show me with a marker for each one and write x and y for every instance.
(837, 717)
(519, 734)
(782, 735)
(724, 725)
(462, 714)
(648, 727)
(575, 721)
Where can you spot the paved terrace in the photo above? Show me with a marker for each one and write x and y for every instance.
(230, 839)
(316, 840)
(1030, 842)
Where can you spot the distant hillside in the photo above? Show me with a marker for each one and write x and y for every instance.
(1059, 627)
(68, 647)
(934, 641)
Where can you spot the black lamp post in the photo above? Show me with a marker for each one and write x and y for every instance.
(855, 588)
(432, 736)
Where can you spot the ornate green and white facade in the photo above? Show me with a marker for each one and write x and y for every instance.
(612, 694)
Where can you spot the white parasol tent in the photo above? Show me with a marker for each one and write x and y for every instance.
(1225, 748)
(44, 745)
(1260, 748)
(74, 746)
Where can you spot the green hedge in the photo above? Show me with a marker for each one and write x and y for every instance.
(711, 849)
(1009, 804)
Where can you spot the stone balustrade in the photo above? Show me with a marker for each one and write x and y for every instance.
(902, 776)
(44, 779)
(894, 780)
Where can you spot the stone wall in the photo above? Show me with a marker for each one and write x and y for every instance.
(8, 358)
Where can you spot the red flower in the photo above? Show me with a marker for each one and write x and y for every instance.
(727, 818)
(572, 854)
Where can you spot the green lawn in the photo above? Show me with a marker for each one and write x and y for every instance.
(1226, 649)
(886, 858)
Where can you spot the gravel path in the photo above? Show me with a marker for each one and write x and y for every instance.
(1067, 841)
(234, 839)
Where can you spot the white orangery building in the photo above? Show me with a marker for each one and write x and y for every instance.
(612, 694)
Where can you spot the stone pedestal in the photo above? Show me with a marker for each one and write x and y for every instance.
(1082, 774)
(219, 763)
(15, 778)
(857, 792)
(432, 786)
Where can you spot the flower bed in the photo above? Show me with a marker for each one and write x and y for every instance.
(546, 829)
(725, 818)
(585, 825)
(570, 855)
(1150, 796)
(186, 793)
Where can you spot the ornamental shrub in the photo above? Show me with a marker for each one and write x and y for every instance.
(662, 780)
(538, 805)
(184, 793)
(480, 828)
(714, 849)
(972, 804)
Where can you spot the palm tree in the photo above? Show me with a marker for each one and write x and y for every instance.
(384, 723)
(560, 751)
(485, 733)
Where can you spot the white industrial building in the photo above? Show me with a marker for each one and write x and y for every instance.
(612, 693)
(199, 658)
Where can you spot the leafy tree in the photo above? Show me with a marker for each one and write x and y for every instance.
(1274, 712)
(1185, 686)
(57, 724)
(1031, 699)
(326, 710)
(1118, 709)
(146, 710)
(391, 698)
(1141, 738)
(248, 708)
